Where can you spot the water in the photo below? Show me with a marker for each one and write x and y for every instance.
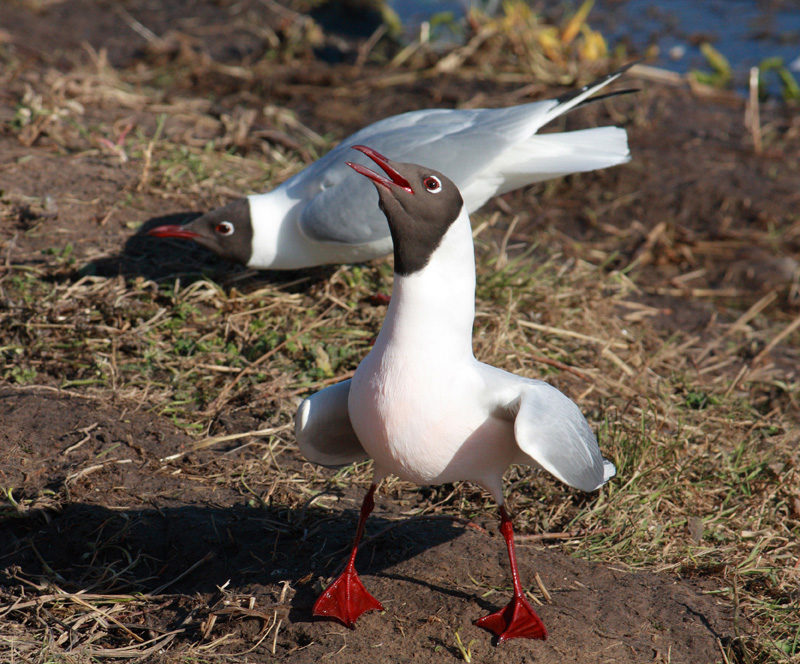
(746, 32)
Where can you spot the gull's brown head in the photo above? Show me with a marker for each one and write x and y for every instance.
(420, 204)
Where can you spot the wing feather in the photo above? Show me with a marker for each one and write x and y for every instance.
(460, 143)
(324, 433)
(551, 430)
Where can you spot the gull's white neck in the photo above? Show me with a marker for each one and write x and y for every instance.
(279, 244)
(433, 309)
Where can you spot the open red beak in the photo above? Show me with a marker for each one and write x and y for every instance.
(173, 231)
(394, 179)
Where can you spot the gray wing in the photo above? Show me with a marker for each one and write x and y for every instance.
(459, 143)
(551, 430)
(324, 433)
(344, 205)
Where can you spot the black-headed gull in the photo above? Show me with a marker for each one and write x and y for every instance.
(326, 213)
(422, 407)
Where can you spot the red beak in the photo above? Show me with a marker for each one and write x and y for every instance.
(394, 179)
(173, 231)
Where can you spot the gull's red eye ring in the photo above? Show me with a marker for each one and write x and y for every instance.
(432, 184)
(224, 228)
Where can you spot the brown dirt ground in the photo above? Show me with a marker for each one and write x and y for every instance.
(166, 527)
(152, 521)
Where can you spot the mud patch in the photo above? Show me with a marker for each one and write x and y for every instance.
(105, 514)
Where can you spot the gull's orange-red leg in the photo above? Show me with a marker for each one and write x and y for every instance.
(346, 598)
(517, 620)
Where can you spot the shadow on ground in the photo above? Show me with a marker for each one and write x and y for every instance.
(112, 504)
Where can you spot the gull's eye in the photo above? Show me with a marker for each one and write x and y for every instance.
(432, 184)
(224, 228)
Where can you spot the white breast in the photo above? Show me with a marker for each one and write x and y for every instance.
(427, 423)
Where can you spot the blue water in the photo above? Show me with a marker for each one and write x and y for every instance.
(746, 32)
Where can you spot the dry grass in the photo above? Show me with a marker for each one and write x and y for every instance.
(703, 427)
(705, 443)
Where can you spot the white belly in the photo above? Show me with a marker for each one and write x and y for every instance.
(428, 427)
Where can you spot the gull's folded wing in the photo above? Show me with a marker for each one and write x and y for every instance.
(324, 433)
(459, 143)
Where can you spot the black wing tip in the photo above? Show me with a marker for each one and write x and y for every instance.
(613, 93)
(598, 83)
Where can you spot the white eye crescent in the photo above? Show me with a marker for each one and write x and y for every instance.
(224, 228)
(432, 184)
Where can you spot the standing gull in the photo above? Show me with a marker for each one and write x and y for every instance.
(324, 214)
(420, 404)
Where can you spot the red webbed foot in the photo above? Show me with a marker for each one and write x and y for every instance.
(517, 620)
(346, 599)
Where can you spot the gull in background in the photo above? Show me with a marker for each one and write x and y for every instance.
(327, 213)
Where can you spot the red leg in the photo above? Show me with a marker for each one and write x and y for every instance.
(346, 598)
(517, 620)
